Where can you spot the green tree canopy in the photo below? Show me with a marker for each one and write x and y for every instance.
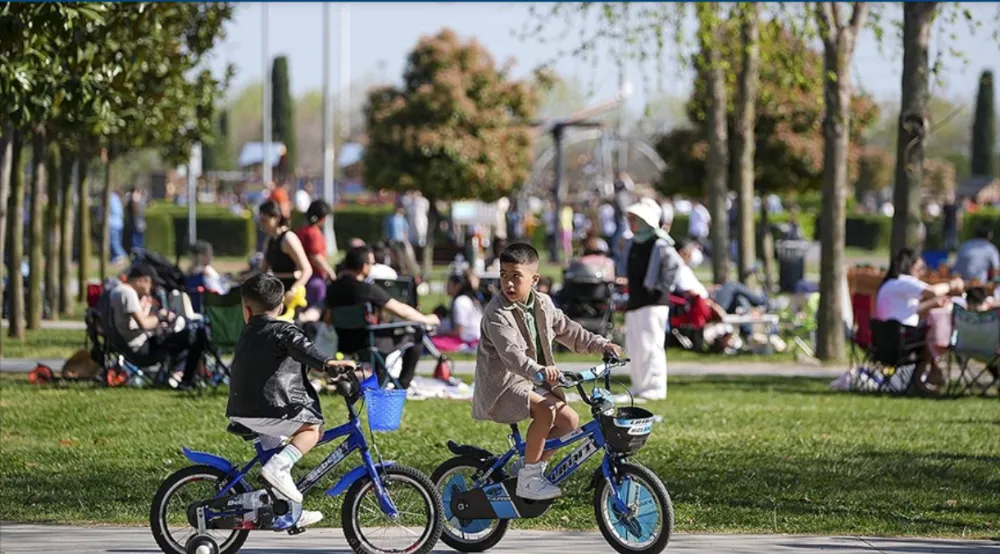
(457, 128)
(789, 135)
(984, 129)
(282, 112)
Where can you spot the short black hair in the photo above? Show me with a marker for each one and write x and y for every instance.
(263, 293)
(356, 258)
(139, 271)
(381, 251)
(317, 211)
(519, 253)
(984, 232)
(975, 296)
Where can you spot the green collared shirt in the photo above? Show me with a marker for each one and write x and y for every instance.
(528, 311)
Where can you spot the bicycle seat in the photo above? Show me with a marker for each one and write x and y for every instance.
(241, 431)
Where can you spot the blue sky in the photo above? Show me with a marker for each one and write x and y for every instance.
(383, 33)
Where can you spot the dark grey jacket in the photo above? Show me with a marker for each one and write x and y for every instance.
(269, 373)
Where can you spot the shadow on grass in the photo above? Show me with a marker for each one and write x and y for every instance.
(900, 546)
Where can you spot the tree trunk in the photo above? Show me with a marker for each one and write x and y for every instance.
(83, 231)
(745, 147)
(35, 257)
(16, 233)
(6, 154)
(838, 48)
(105, 247)
(715, 133)
(917, 21)
(70, 166)
(52, 212)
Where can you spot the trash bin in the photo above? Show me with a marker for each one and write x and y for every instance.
(791, 256)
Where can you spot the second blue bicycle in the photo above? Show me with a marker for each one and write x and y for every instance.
(631, 504)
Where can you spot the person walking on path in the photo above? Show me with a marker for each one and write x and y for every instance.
(649, 265)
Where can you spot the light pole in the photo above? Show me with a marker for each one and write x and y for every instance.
(266, 115)
(328, 150)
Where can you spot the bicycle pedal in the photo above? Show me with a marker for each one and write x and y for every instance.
(296, 531)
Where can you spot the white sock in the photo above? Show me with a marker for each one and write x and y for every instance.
(291, 454)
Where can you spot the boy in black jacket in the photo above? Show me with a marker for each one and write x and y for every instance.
(269, 392)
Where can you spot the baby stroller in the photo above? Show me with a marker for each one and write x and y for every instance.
(586, 298)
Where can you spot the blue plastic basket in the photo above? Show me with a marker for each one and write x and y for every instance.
(384, 407)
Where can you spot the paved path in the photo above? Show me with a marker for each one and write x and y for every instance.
(49, 324)
(25, 539)
(467, 367)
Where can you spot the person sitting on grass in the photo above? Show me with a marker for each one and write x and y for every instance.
(269, 392)
(516, 344)
(202, 255)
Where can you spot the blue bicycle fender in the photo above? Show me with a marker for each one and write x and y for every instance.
(351, 476)
(205, 458)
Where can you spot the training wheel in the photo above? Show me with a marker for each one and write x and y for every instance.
(200, 544)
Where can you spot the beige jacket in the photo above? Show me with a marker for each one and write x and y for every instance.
(506, 359)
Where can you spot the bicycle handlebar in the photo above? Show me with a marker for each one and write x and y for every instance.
(570, 379)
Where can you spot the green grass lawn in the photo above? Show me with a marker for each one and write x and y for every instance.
(738, 455)
(62, 343)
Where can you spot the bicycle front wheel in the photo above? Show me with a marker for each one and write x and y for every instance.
(415, 529)
(645, 525)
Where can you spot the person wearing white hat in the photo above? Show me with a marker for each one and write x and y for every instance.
(649, 262)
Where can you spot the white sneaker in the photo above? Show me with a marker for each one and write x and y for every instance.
(532, 484)
(277, 472)
(309, 517)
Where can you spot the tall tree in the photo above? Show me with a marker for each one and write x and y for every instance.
(984, 129)
(216, 154)
(52, 213)
(85, 242)
(838, 30)
(36, 235)
(743, 139)
(6, 155)
(15, 233)
(913, 125)
(69, 169)
(456, 129)
(282, 112)
(710, 32)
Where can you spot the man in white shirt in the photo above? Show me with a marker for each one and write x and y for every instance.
(380, 270)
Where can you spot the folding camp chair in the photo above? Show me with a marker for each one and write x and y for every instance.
(975, 349)
(223, 318)
(891, 358)
(359, 318)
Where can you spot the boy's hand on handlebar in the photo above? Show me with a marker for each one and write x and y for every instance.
(552, 374)
(614, 349)
(342, 365)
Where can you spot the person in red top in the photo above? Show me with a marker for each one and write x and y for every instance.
(314, 243)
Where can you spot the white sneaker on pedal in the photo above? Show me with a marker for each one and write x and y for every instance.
(278, 472)
(532, 484)
(309, 517)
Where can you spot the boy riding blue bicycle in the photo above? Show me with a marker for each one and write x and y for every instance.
(270, 392)
(518, 328)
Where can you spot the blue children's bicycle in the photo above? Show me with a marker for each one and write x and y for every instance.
(632, 506)
(210, 508)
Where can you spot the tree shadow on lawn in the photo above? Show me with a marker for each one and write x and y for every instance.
(900, 546)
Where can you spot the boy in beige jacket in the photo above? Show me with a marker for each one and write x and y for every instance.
(518, 327)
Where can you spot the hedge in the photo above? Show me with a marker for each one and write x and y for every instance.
(972, 222)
